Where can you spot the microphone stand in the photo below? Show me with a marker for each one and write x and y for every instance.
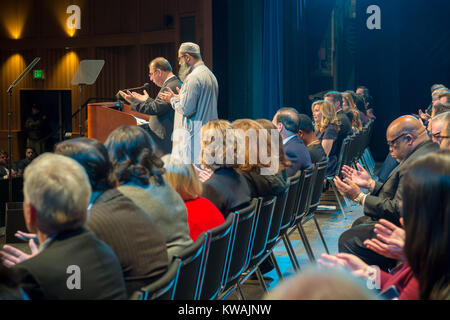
(9, 92)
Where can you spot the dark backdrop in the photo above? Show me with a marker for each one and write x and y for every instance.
(264, 50)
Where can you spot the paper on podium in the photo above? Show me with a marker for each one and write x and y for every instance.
(140, 121)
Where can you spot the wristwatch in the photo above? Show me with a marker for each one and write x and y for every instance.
(359, 197)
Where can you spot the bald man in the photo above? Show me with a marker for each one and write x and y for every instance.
(408, 140)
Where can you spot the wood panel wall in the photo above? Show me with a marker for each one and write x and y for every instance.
(127, 34)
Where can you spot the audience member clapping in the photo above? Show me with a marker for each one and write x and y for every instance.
(71, 263)
(426, 210)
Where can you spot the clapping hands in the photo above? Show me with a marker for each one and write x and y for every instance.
(390, 242)
(359, 177)
(169, 94)
(11, 256)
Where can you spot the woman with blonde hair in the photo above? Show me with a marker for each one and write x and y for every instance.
(202, 213)
(327, 128)
(349, 106)
(226, 188)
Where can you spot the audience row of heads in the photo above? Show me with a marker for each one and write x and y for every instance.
(58, 186)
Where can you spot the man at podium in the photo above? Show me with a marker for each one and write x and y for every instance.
(161, 113)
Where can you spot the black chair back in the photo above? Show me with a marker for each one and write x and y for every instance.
(306, 185)
(291, 202)
(243, 235)
(277, 218)
(264, 220)
(220, 241)
(321, 168)
(163, 288)
(14, 221)
(192, 262)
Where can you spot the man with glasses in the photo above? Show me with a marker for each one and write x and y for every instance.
(161, 113)
(442, 136)
(407, 140)
(195, 104)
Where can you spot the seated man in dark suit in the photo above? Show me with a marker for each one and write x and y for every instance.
(307, 135)
(161, 113)
(407, 140)
(71, 262)
(287, 122)
(335, 98)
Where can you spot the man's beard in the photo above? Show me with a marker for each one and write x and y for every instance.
(185, 69)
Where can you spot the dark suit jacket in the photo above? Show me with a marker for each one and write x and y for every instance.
(383, 202)
(298, 155)
(227, 190)
(45, 276)
(264, 185)
(132, 234)
(161, 116)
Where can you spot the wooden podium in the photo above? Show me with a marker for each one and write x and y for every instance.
(103, 119)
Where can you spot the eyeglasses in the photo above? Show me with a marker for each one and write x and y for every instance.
(392, 143)
(152, 73)
(439, 138)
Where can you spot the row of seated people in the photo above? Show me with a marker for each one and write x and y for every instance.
(17, 168)
(401, 240)
(132, 211)
(398, 248)
(131, 163)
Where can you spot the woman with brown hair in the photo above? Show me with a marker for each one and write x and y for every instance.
(226, 188)
(257, 143)
(202, 213)
(348, 105)
(327, 128)
(140, 174)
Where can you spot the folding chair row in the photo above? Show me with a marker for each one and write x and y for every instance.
(223, 258)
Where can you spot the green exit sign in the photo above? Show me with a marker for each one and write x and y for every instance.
(38, 74)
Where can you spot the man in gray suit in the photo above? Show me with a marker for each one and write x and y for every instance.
(407, 140)
(195, 104)
(161, 113)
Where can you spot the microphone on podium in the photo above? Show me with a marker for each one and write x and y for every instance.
(145, 86)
